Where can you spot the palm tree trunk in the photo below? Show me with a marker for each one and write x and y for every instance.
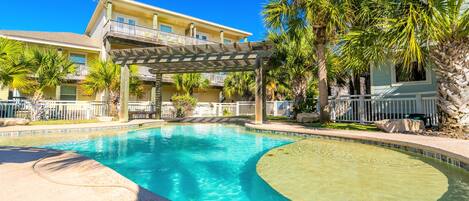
(322, 75)
(452, 70)
(37, 109)
(299, 88)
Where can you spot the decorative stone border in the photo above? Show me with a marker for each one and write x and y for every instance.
(422, 152)
(77, 129)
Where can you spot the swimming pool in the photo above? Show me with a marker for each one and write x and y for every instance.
(187, 162)
(218, 162)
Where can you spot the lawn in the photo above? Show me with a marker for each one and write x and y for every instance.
(344, 126)
(62, 122)
(339, 126)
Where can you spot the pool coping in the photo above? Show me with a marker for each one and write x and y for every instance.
(451, 151)
(15, 131)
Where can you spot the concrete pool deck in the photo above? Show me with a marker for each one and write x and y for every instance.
(454, 148)
(42, 174)
(74, 128)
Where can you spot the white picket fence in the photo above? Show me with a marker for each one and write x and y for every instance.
(361, 109)
(242, 108)
(53, 110)
(371, 108)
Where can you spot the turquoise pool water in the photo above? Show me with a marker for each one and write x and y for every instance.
(187, 162)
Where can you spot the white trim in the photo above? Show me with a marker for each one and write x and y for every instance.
(46, 42)
(157, 9)
(394, 83)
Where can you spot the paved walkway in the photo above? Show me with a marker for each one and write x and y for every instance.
(68, 128)
(457, 149)
(41, 174)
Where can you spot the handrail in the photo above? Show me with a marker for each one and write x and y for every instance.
(154, 33)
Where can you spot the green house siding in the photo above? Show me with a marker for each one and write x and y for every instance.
(382, 82)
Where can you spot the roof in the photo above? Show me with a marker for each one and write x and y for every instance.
(64, 39)
(161, 10)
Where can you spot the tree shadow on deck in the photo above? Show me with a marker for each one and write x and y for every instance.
(24, 154)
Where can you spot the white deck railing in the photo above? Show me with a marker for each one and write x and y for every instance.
(361, 109)
(371, 108)
(147, 34)
(53, 110)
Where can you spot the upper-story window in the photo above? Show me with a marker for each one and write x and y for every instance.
(166, 28)
(80, 63)
(414, 73)
(227, 41)
(78, 59)
(126, 25)
(201, 36)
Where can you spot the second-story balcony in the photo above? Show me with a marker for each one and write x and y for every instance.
(149, 35)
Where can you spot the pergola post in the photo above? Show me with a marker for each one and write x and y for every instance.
(124, 94)
(158, 95)
(260, 109)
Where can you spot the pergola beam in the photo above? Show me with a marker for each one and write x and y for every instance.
(208, 58)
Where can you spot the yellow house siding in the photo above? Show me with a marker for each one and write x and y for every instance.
(4, 91)
(207, 95)
(180, 25)
(82, 96)
(49, 93)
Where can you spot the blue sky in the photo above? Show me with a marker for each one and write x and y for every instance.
(73, 15)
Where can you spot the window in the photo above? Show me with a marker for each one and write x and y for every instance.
(412, 74)
(120, 19)
(132, 22)
(201, 36)
(227, 41)
(166, 28)
(80, 63)
(126, 25)
(78, 59)
(68, 93)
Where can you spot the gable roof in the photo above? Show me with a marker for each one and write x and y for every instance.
(64, 39)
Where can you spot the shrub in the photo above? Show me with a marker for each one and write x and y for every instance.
(184, 105)
(227, 112)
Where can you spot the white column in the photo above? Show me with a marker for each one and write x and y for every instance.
(222, 37)
(57, 92)
(155, 21)
(194, 30)
(108, 11)
(191, 30)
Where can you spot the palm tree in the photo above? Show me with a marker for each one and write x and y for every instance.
(240, 84)
(188, 82)
(326, 18)
(13, 69)
(104, 77)
(50, 68)
(434, 32)
(293, 56)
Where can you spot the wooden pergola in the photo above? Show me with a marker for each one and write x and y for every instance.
(209, 58)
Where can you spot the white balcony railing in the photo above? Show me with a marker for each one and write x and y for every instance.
(147, 34)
